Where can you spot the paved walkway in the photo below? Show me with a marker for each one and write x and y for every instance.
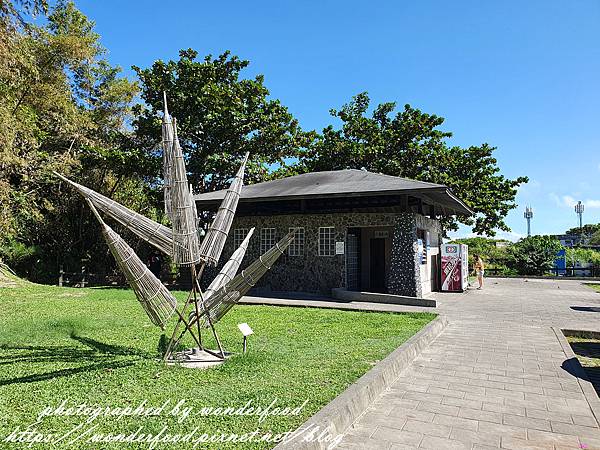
(493, 378)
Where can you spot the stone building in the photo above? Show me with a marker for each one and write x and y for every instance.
(356, 230)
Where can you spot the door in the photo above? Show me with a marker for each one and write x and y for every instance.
(377, 265)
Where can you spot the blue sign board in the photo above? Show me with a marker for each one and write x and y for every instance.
(560, 262)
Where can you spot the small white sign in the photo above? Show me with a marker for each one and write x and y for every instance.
(339, 248)
(245, 329)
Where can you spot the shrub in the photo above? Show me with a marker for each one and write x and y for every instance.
(535, 255)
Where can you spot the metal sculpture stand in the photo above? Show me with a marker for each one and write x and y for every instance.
(201, 355)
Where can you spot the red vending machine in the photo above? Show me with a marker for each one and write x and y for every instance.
(455, 267)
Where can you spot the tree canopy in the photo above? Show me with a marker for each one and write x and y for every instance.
(535, 255)
(595, 238)
(62, 107)
(588, 229)
(220, 116)
(409, 144)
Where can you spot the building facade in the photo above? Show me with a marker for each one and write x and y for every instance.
(376, 238)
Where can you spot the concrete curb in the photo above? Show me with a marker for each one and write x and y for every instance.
(332, 304)
(353, 296)
(337, 416)
(586, 386)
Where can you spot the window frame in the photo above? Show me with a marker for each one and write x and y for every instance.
(237, 240)
(321, 245)
(297, 245)
(264, 247)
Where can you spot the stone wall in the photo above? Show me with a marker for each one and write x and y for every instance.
(319, 274)
(404, 273)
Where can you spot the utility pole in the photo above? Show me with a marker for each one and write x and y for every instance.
(528, 214)
(579, 211)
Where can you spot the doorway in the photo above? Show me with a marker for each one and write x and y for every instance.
(377, 265)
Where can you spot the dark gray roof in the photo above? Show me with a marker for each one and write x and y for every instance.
(339, 183)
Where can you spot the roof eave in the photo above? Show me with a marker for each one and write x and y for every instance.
(467, 211)
(460, 208)
(198, 198)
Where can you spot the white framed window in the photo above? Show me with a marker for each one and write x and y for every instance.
(238, 236)
(296, 248)
(268, 238)
(326, 241)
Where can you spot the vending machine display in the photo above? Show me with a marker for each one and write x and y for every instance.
(455, 267)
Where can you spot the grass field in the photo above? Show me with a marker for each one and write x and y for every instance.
(595, 287)
(96, 347)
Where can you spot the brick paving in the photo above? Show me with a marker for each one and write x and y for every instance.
(493, 378)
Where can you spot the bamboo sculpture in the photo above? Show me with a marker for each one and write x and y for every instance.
(221, 301)
(214, 241)
(182, 244)
(167, 141)
(154, 297)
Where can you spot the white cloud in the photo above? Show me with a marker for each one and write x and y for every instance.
(568, 201)
(509, 236)
(530, 189)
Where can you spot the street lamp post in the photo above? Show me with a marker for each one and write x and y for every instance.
(579, 208)
(528, 214)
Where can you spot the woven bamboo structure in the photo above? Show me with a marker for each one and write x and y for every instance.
(154, 297)
(214, 241)
(194, 210)
(185, 234)
(231, 267)
(167, 142)
(219, 303)
(150, 231)
(182, 244)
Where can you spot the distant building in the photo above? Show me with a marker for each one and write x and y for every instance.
(356, 230)
(571, 240)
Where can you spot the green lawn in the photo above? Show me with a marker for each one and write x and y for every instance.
(595, 287)
(96, 346)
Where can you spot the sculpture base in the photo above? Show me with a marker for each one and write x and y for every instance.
(194, 358)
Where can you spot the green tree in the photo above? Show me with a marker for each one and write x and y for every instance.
(220, 116)
(595, 238)
(535, 255)
(496, 253)
(588, 229)
(409, 144)
(64, 108)
(583, 256)
(12, 12)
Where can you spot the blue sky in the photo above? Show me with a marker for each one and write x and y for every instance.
(522, 76)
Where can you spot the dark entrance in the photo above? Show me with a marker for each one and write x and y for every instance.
(377, 265)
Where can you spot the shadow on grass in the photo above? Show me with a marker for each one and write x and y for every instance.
(589, 349)
(586, 308)
(65, 372)
(574, 366)
(97, 356)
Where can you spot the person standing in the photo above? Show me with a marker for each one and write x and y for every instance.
(479, 270)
